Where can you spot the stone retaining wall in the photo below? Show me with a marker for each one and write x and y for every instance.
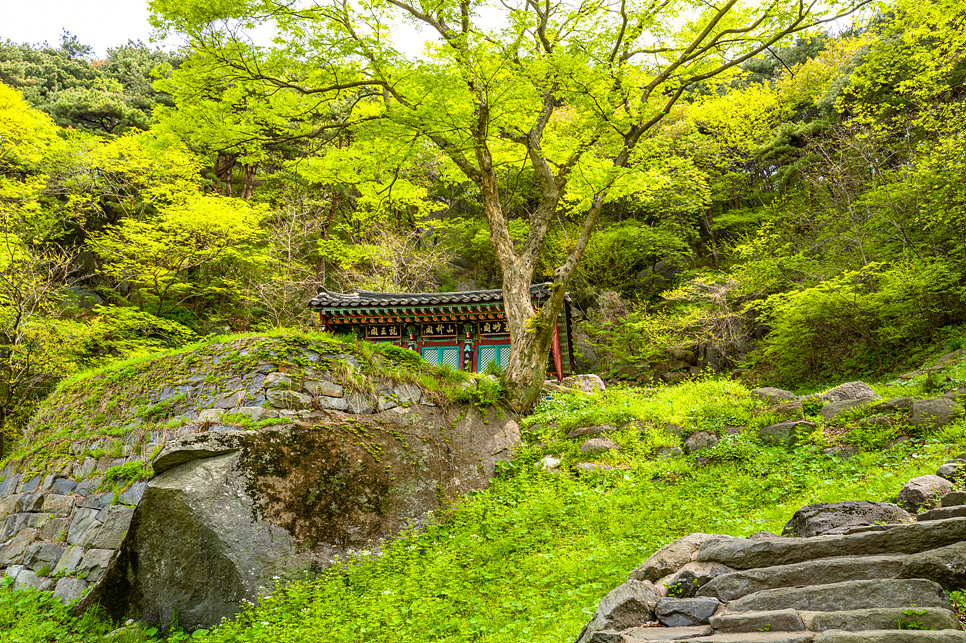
(64, 514)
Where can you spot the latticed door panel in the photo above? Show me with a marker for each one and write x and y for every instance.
(431, 355)
(450, 356)
(487, 354)
(440, 355)
(493, 354)
(503, 354)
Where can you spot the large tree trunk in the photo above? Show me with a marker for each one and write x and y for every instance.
(530, 339)
(531, 331)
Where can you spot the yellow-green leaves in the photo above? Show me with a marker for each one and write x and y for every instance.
(189, 249)
(25, 133)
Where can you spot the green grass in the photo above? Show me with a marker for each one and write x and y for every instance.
(29, 616)
(697, 405)
(529, 559)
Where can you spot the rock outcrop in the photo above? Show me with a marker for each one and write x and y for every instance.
(838, 517)
(340, 459)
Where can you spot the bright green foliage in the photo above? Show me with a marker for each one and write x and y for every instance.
(96, 182)
(29, 616)
(128, 472)
(530, 558)
(126, 331)
(27, 137)
(616, 255)
(192, 249)
(865, 318)
(32, 333)
(689, 405)
(548, 117)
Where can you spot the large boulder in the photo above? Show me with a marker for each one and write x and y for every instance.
(598, 446)
(772, 396)
(836, 517)
(784, 433)
(849, 391)
(934, 412)
(588, 383)
(226, 518)
(588, 431)
(787, 410)
(954, 471)
(833, 409)
(700, 441)
(923, 492)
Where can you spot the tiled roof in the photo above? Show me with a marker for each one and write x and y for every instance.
(365, 299)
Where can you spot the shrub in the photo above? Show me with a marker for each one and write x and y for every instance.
(128, 472)
(869, 319)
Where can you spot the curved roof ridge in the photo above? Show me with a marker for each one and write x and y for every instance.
(372, 298)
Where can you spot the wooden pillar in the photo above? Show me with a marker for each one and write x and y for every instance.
(555, 350)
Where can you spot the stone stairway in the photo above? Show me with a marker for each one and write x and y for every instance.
(868, 584)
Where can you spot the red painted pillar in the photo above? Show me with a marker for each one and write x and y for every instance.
(555, 349)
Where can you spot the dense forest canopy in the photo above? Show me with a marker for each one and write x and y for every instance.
(789, 195)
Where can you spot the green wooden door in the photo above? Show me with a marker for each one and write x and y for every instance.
(440, 355)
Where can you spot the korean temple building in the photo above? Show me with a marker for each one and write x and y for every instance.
(466, 330)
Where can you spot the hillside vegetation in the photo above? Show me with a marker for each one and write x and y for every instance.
(137, 404)
(805, 203)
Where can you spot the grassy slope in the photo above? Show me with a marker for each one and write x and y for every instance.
(107, 405)
(530, 558)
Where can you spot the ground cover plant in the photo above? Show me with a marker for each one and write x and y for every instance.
(529, 558)
(29, 616)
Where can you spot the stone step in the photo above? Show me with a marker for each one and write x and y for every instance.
(739, 553)
(840, 597)
(943, 513)
(639, 634)
(945, 565)
(743, 637)
(775, 621)
(890, 636)
(756, 637)
(728, 587)
(880, 618)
